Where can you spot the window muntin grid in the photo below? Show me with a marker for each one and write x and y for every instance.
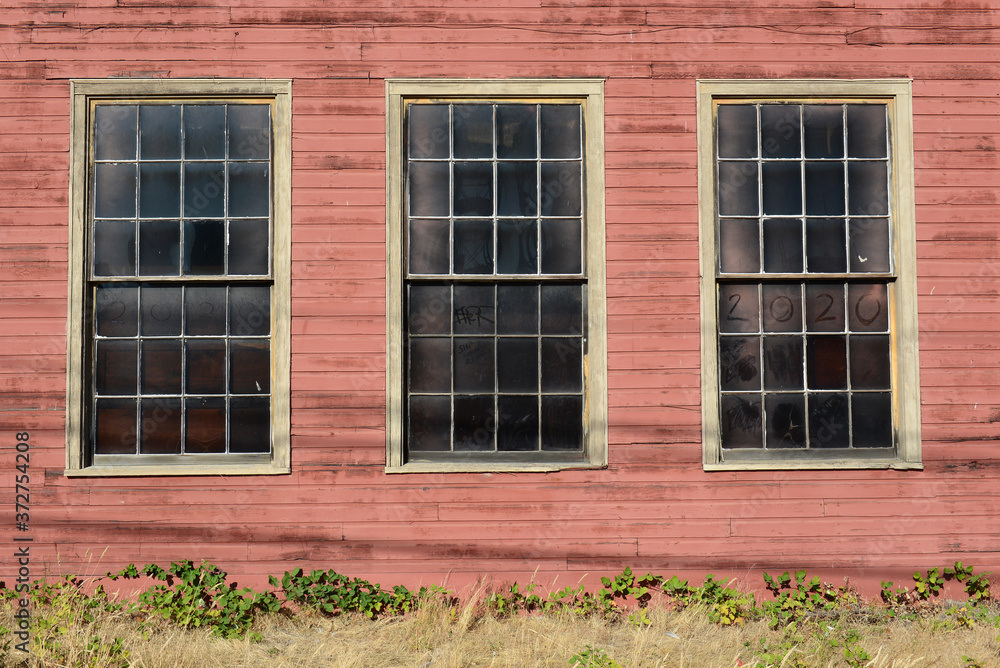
(495, 354)
(180, 262)
(803, 207)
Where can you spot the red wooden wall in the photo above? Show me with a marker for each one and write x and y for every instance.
(653, 508)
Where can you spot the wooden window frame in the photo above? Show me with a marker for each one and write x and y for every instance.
(903, 327)
(83, 93)
(590, 94)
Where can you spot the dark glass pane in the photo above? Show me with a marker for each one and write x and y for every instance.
(429, 193)
(782, 245)
(473, 189)
(429, 247)
(249, 366)
(825, 307)
(517, 424)
(114, 132)
(867, 189)
(870, 366)
(248, 247)
(114, 190)
(562, 423)
(866, 131)
(428, 130)
(782, 306)
(114, 248)
(117, 310)
(474, 365)
(115, 427)
(249, 132)
(871, 419)
(205, 421)
(739, 363)
(738, 189)
(161, 311)
(474, 309)
(869, 244)
(826, 247)
(829, 424)
(782, 188)
(827, 362)
(430, 424)
(516, 131)
(473, 130)
(159, 190)
(782, 363)
(824, 189)
(205, 366)
(161, 366)
(517, 365)
(474, 423)
(562, 244)
(741, 421)
(159, 248)
(561, 189)
(160, 421)
(204, 131)
(562, 311)
(868, 307)
(204, 247)
(250, 424)
(204, 310)
(739, 246)
(738, 308)
(250, 311)
(517, 309)
(561, 136)
(159, 132)
(824, 130)
(517, 189)
(249, 190)
(737, 131)
(429, 309)
(562, 364)
(779, 130)
(517, 246)
(786, 421)
(204, 189)
(473, 247)
(115, 367)
(430, 365)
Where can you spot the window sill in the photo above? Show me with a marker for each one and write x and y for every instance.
(491, 467)
(814, 465)
(177, 469)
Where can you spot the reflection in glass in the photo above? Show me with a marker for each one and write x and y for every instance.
(739, 245)
(159, 132)
(824, 189)
(204, 131)
(250, 311)
(867, 188)
(560, 131)
(870, 366)
(737, 131)
(428, 247)
(562, 363)
(866, 131)
(115, 427)
(205, 420)
(204, 189)
(779, 131)
(473, 130)
(250, 424)
(869, 244)
(786, 421)
(249, 190)
(473, 247)
(160, 362)
(826, 247)
(782, 245)
(562, 422)
(517, 423)
(473, 189)
(517, 189)
(429, 309)
(562, 309)
(516, 131)
(160, 421)
(428, 130)
(159, 189)
(781, 185)
(159, 248)
(205, 366)
(250, 366)
(517, 247)
(249, 252)
(249, 132)
(561, 193)
(429, 426)
(824, 131)
(738, 188)
(474, 421)
(740, 421)
(114, 190)
(430, 365)
(428, 194)
(517, 309)
(115, 367)
(114, 132)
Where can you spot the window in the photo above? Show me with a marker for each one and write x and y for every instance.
(178, 351)
(808, 293)
(496, 275)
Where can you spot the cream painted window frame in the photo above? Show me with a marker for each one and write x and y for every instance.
(590, 93)
(82, 93)
(896, 93)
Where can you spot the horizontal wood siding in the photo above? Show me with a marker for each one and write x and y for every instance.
(653, 507)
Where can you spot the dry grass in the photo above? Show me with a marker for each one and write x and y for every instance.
(438, 636)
